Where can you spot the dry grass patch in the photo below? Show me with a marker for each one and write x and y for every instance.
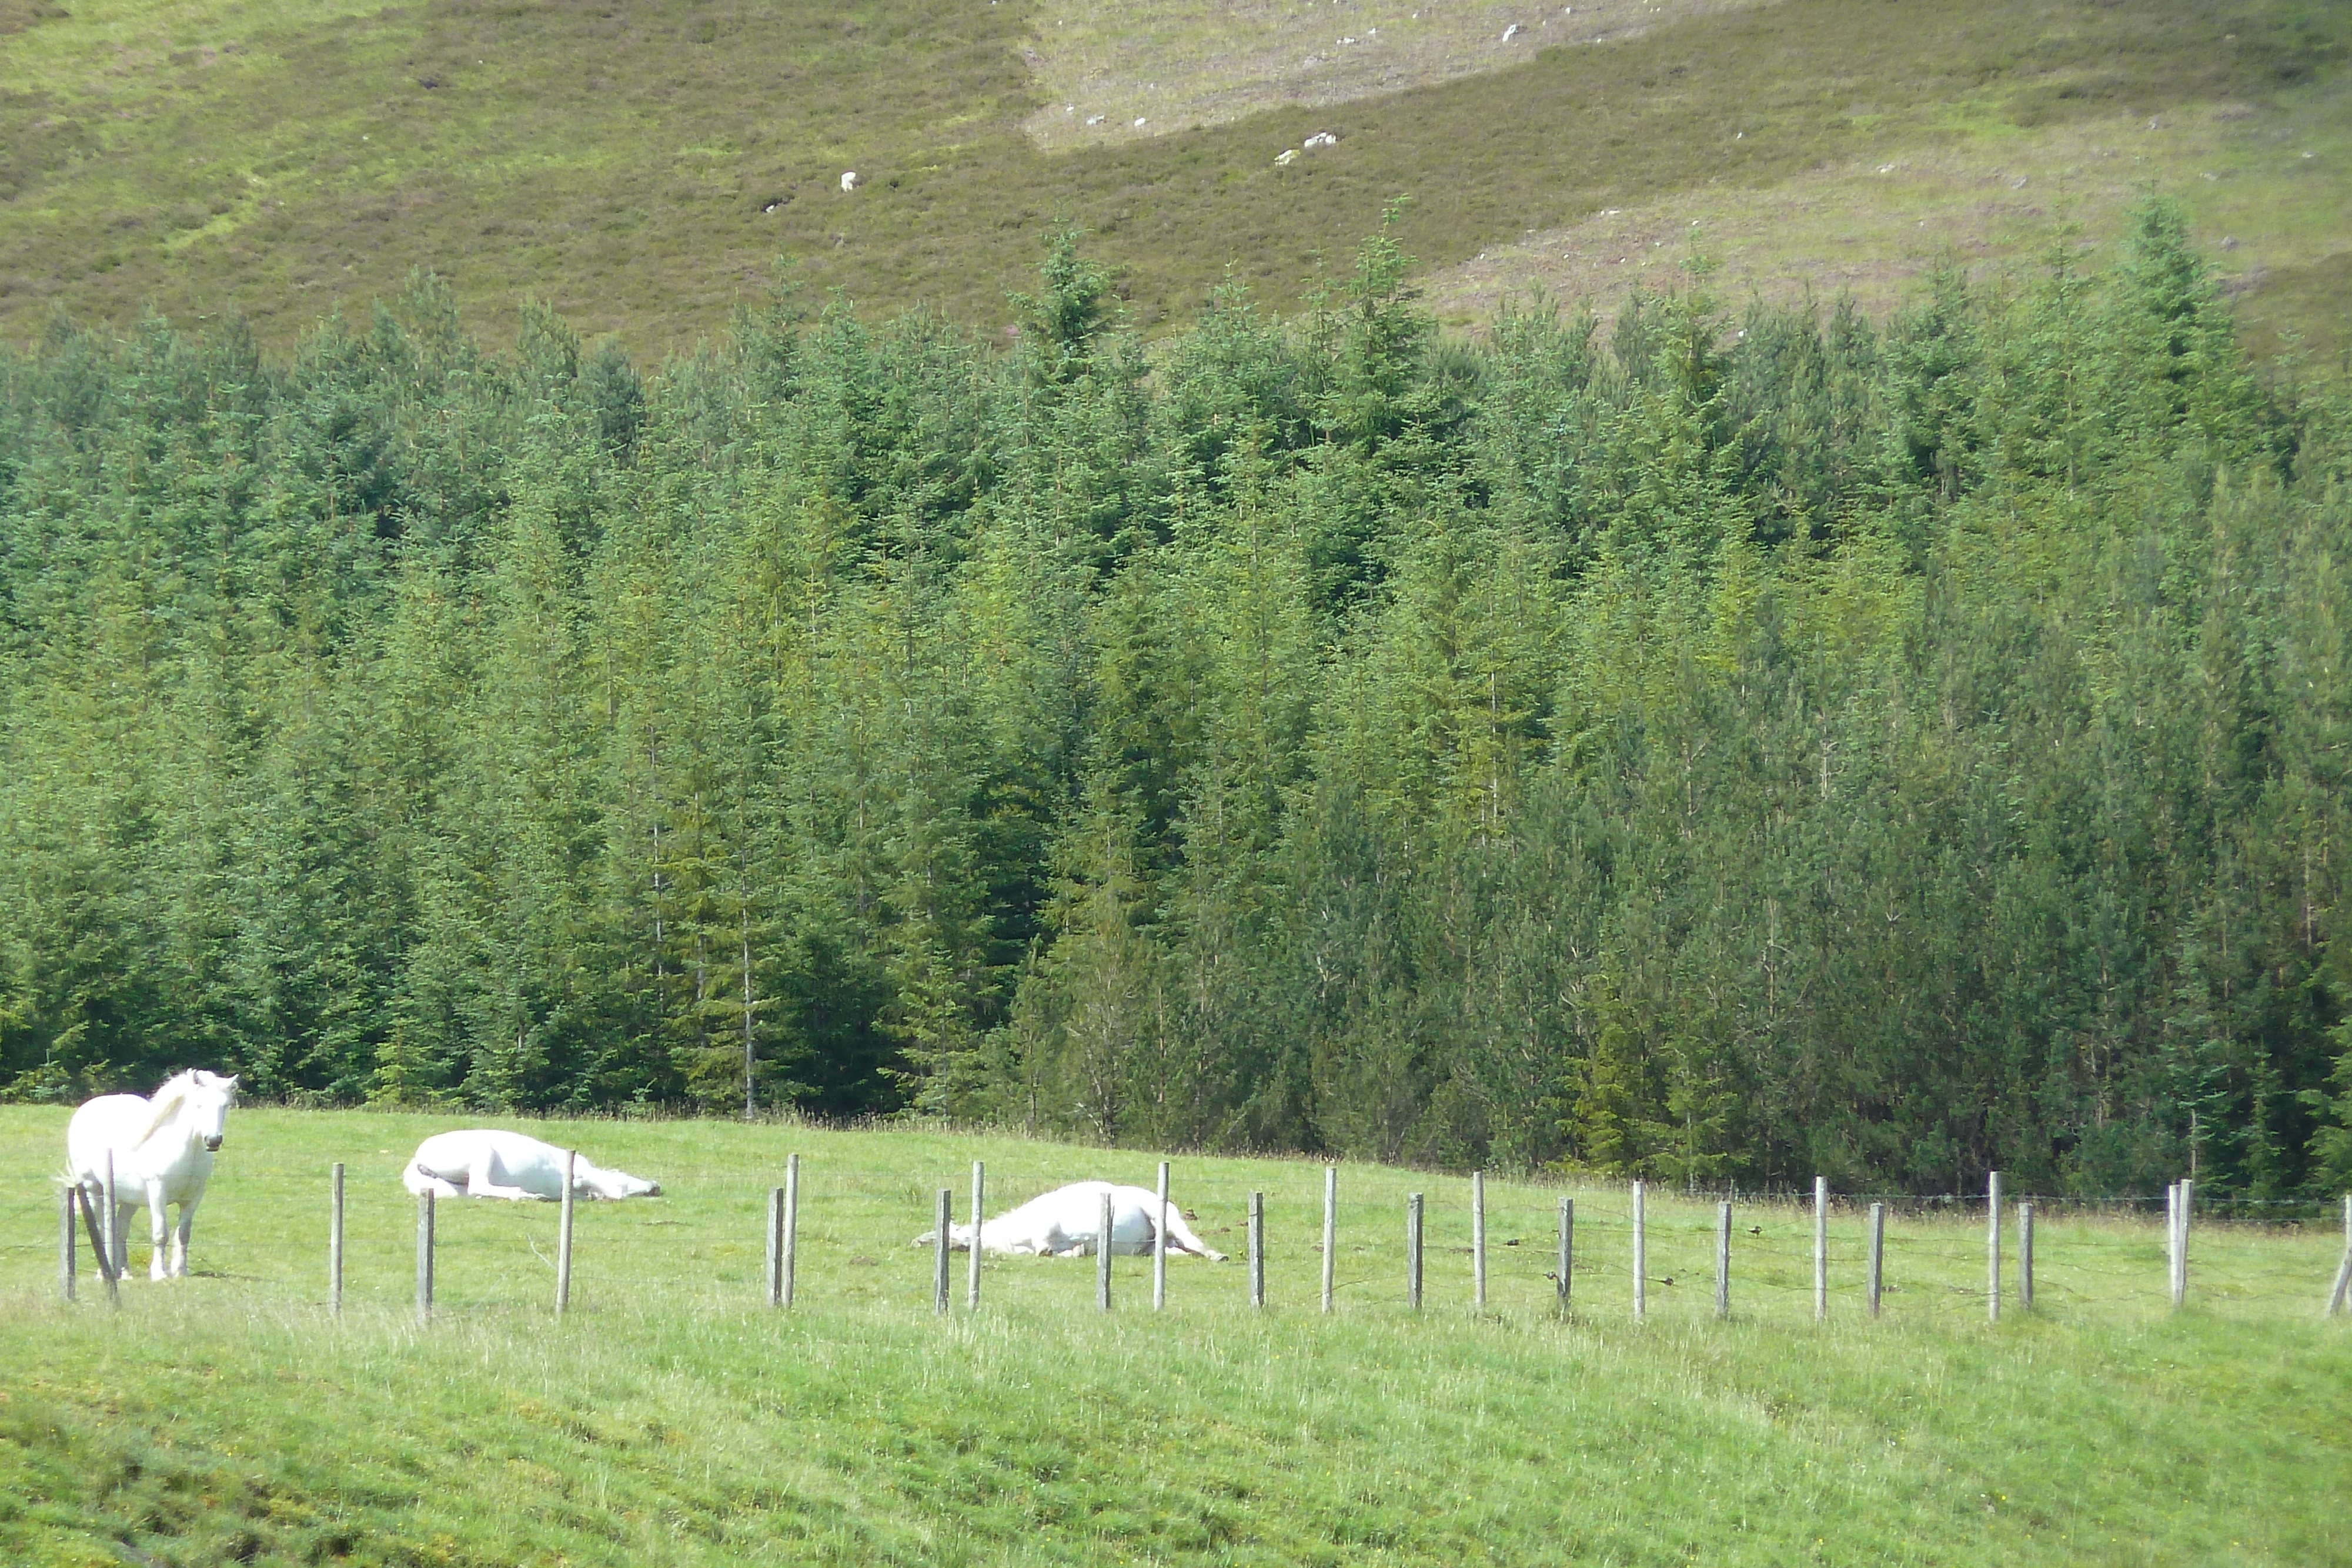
(1111, 72)
(2265, 185)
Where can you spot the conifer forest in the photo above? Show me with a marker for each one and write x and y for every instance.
(1721, 746)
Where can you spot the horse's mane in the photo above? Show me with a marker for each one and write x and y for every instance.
(191, 1078)
(166, 1104)
(171, 1095)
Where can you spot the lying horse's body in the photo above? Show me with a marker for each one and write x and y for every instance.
(483, 1162)
(1066, 1222)
(162, 1151)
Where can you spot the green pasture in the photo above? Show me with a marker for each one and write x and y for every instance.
(672, 1418)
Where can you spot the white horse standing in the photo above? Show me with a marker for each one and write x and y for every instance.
(163, 1150)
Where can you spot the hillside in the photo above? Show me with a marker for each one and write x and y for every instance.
(672, 1419)
(644, 171)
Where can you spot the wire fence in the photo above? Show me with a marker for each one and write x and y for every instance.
(267, 1235)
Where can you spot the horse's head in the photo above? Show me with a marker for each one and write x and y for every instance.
(959, 1238)
(206, 1099)
(192, 1105)
(598, 1182)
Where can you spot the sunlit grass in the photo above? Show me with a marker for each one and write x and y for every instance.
(672, 1418)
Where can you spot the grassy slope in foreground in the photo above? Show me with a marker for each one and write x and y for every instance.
(673, 1420)
(641, 169)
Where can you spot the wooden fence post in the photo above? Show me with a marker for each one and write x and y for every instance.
(2171, 1230)
(2025, 1257)
(1878, 1254)
(425, 1255)
(1159, 1245)
(335, 1240)
(1412, 1251)
(2181, 1256)
(1102, 1255)
(1641, 1256)
(1567, 1270)
(940, 1251)
(775, 1247)
(972, 1284)
(1478, 1238)
(1993, 1247)
(2342, 1270)
(1723, 1260)
(564, 1235)
(68, 1251)
(1820, 1248)
(1330, 1229)
(1257, 1248)
(2172, 1241)
(792, 1223)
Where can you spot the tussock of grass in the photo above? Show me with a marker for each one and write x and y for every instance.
(674, 1420)
(642, 169)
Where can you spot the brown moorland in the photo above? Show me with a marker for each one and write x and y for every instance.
(643, 170)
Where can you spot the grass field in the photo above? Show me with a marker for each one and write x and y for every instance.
(643, 168)
(672, 1419)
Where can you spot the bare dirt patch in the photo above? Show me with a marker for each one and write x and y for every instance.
(1112, 71)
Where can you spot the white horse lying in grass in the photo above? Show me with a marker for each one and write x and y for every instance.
(1066, 1221)
(495, 1164)
(163, 1150)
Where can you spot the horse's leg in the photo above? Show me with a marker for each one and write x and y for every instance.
(158, 1261)
(187, 1224)
(482, 1181)
(495, 1189)
(122, 1213)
